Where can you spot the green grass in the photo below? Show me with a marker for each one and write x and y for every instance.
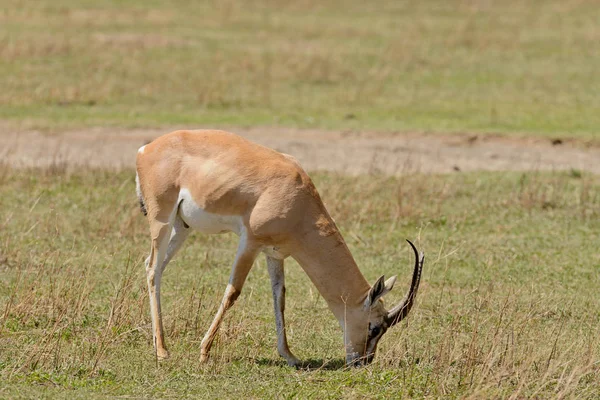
(449, 66)
(508, 302)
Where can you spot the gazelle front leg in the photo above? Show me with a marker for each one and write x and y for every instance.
(246, 254)
(277, 275)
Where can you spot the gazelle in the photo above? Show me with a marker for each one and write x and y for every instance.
(215, 182)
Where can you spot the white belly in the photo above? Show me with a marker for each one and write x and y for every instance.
(206, 222)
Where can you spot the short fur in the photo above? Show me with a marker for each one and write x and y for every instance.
(280, 214)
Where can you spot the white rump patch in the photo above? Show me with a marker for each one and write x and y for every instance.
(141, 149)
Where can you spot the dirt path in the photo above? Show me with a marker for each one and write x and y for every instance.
(347, 152)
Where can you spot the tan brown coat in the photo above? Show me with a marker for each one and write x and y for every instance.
(215, 181)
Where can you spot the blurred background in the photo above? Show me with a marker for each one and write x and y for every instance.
(512, 66)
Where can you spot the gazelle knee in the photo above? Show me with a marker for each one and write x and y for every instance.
(150, 276)
(232, 294)
(282, 298)
(279, 294)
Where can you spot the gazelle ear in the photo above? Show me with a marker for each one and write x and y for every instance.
(389, 284)
(379, 289)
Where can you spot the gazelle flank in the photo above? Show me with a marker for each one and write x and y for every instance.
(215, 182)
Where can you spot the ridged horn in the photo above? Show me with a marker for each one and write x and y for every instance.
(400, 311)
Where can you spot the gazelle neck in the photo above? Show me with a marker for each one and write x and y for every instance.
(326, 259)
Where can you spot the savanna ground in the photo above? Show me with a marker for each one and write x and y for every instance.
(508, 305)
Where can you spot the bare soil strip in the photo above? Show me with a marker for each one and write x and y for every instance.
(346, 152)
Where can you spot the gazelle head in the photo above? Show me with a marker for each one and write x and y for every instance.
(364, 327)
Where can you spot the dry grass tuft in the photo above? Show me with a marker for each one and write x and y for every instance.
(507, 306)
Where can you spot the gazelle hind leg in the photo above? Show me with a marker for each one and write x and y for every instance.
(178, 235)
(246, 254)
(154, 269)
(277, 276)
(168, 233)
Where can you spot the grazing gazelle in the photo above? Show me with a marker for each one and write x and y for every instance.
(215, 182)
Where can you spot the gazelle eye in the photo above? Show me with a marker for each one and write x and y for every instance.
(375, 331)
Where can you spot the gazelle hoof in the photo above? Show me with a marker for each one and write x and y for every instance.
(162, 354)
(203, 358)
(294, 362)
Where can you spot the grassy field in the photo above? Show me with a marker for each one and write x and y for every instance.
(450, 66)
(508, 305)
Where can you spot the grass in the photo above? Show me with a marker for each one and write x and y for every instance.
(508, 67)
(508, 305)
